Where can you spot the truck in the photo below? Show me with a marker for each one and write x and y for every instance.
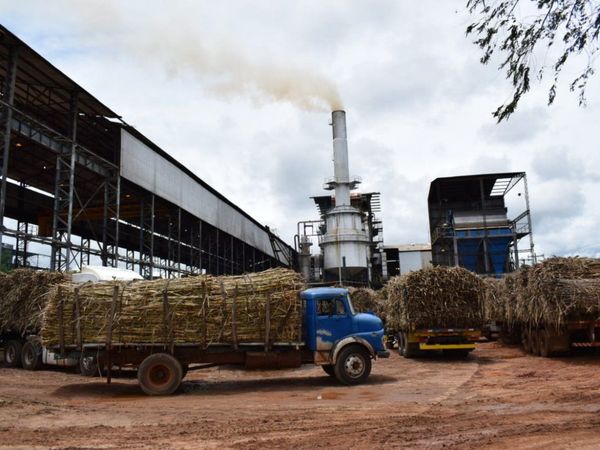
(24, 348)
(547, 341)
(333, 336)
(458, 342)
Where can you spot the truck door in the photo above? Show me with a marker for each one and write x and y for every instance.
(333, 322)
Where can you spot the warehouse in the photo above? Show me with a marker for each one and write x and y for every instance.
(80, 182)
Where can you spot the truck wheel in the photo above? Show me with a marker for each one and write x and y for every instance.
(353, 365)
(410, 350)
(88, 365)
(401, 344)
(31, 356)
(329, 369)
(159, 374)
(12, 353)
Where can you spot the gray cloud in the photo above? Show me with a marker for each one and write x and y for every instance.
(418, 104)
(559, 163)
(524, 126)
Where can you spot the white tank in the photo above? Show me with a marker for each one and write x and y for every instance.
(346, 243)
(101, 273)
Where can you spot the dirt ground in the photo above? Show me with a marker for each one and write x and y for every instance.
(497, 398)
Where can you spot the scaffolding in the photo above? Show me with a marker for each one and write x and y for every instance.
(63, 190)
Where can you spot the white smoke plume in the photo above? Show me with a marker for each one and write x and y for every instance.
(228, 72)
(174, 42)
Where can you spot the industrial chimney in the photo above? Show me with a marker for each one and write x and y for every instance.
(346, 243)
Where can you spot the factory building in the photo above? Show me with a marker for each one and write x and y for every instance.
(401, 259)
(82, 184)
(471, 225)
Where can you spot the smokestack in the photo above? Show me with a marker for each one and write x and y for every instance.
(345, 244)
(340, 158)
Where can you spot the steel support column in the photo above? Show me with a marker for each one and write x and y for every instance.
(62, 221)
(110, 220)
(218, 254)
(179, 241)
(147, 237)
(486, 261)
(231, 257)
(8, 92)
(199, 246)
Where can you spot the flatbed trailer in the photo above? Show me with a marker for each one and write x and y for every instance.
(548, 341)
(455, 341)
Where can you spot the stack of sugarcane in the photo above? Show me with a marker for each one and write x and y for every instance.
(554, 291)
(204, 310)
(23, 296)
(493, 294)
(363, 299)
(437, 297)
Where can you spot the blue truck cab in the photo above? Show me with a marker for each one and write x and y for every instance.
(342, 341)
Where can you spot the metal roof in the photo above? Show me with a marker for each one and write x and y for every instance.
(38, 74)
(467, 186)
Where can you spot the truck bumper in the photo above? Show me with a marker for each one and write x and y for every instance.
(383, 354)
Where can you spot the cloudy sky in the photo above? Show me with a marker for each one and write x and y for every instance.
(241, 93)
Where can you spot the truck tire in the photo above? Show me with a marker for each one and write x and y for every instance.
(401, 344)
(329, 369)
(12, 353)
(31, 356)
(88, 365)
(160, 374)
(410, 350)
(353, 365)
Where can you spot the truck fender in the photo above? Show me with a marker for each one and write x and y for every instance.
(350, 340)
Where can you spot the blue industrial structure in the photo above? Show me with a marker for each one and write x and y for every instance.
(470, 225)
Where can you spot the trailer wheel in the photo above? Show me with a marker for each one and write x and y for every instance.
(410, 350)
(88, 365)
(353, 365)
(329, 369)
(12, 353)
(31, 356)
(159, 374)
